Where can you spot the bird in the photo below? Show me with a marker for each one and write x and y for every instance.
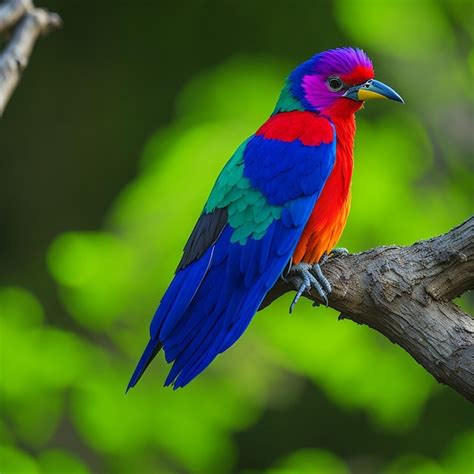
(277, 210)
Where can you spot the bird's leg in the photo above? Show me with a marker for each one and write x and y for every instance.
(323, 259)
(318, 273)
(304, 277)
(322, 280)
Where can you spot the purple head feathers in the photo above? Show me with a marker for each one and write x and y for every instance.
(319, 82)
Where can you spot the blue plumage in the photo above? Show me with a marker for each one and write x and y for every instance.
(284, 171)
(212, 300)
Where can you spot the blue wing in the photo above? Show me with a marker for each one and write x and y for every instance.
(236, 260)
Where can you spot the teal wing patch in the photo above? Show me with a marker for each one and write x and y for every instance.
(249, 213)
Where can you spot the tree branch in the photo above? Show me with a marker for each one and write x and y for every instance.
(405, 293)
(30, 23)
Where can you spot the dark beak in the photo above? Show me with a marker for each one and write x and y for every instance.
(372, 89)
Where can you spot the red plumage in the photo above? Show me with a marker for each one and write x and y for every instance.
(309, 128)
(359, 74)
(329, 216)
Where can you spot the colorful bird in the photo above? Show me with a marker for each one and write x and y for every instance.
(277, 209)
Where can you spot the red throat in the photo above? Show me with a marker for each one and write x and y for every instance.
(343, 108)
(329, 216)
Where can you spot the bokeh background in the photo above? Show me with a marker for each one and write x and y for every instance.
(108, 150)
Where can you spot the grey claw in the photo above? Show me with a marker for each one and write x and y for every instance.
(301, 279)
(340, 251)
(323, 259)
(296, 298)
(304, 277)
(325, 299)
(320, 291)
(299, 286)
(322, 279)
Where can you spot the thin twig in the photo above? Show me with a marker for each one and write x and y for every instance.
(29, 23)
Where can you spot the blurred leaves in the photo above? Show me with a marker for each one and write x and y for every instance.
(15, 461)
(32, 357)
(339, 356)
(406, 31)
(310, 461)
(47, 367)
(457, 459)
(99, 264)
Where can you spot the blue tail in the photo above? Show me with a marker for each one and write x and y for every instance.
(151, 349)
(210, 302)
(175, 301)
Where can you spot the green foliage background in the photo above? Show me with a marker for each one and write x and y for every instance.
(299, 394)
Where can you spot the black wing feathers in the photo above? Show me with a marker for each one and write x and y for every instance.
(205, 233)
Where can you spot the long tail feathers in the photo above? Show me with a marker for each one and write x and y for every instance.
(151, 349)
(210, 303)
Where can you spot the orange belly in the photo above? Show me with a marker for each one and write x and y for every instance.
(328, 219)
(321, 234)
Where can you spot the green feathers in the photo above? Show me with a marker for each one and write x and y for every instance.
(287, 101)
(249, 213)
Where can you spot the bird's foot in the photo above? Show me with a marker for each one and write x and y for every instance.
(306, 277)
(340, 251)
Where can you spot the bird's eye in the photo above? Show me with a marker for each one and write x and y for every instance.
(335, 84)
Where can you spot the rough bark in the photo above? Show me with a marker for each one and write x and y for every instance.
(406, 294)
(24, 23)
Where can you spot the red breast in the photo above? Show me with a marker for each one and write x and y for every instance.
(329, 216)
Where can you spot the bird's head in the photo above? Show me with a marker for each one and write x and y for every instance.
(333, 83)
